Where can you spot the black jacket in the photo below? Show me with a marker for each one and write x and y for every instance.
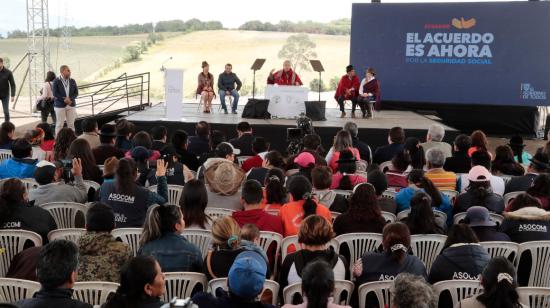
(520, 183)
(7, 83)
(493, 202)
(59, 94)
(459, 261)
(244, 143)
(459, 163)
(31, 218)
(527, 224)
(189, 159)
(364, 149)
(380, 266)
(52, 299)
(198, 145)
(386, 152)
(225, 300)
(489, 234)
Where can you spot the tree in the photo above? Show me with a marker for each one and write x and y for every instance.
(298, 49)
(314, 85)
(334, 83)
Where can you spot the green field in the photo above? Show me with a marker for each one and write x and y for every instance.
(89, 55)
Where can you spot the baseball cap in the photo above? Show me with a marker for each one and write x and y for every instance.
(141, 153)
(247, 274)
(304, 159)
(45, 171)
(108, 130)
(225, 148)
(478, 216)
(479, 174)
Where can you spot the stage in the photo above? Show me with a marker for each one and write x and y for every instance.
(373, 131)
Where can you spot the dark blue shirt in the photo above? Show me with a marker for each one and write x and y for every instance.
(174, 253)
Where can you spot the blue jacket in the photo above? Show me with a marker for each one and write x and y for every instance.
(174, 253)
(403, 201)
(59, 94)
(18, 168)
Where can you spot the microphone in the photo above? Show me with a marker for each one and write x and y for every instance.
(162, 68)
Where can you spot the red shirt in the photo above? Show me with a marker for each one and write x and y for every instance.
(262, 220)
(284, 78)
(345, 84)
(253, 162)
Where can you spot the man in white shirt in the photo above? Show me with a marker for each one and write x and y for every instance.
(482, 159)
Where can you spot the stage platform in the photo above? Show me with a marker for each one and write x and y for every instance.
(373, 131)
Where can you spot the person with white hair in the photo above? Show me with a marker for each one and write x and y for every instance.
(443, 180)
(412, 291)
(434, 139)
(284, 77)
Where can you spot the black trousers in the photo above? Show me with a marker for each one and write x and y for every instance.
(366, 105)
(341, 100)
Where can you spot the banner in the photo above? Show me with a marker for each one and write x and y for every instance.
(460, 53)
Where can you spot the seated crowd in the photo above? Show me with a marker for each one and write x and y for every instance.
(124, 175)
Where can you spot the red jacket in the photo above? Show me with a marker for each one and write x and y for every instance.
(262, 220)
(284, 79)
(255, 161)
(347, 83)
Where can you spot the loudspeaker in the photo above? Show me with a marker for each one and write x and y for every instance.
(256, 109)
(315, 110)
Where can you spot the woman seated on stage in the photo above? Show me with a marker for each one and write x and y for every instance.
(205, 87)
(369, 91)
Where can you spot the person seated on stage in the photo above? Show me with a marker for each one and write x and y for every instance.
(460, 162)
(200, 143)
(369, 91)
(226, 86)
(348, 89)
(442, 179)
(396, 138)
(205, 87)
(244, 140)
(284, 77)
(260, 147)
(434, 139)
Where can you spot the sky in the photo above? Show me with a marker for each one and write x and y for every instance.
(232, 13)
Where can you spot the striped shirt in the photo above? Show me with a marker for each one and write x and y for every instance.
(442, 179)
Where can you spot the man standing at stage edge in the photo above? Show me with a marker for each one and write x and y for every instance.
(226, 86)
(348, 89)
(65, 92)
(7, 87)
(284, 77)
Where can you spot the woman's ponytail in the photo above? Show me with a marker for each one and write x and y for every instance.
(309, 206)
(274, 187)
(151, 227)
(431, 190)
(499, 285)
(345, 182)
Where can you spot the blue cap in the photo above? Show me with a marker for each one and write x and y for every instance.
(247, 274)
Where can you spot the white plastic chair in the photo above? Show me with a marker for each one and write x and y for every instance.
(345, 193)
(534, 297)
(217, 283)
(271, 285)
(509, 197)
(13, 290)
(389, 217)
(72, 234)
(293, 241)
(451, 194)
(540, 262)
(64, 213)
(92, 184)
(389, 194)
(5, 154)
(339, 287)
(427, 247)
(174, 193)
(12, 242)
(459, 289)
(130, 236)
(201, 238)
(403, 214)
(216, 213)
(496, 218)
(181, 284)
(334, 215)
(382, 290)
(290, 290)
(359, 244)
(385, 166)
(509, 250)
(242, 159)
(266, 239)
(94, 293)
(30, 183)
(441, 215)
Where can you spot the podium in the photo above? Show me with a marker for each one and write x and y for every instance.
(173, 94)
(286, 102)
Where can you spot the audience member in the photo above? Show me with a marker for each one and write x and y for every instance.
(276, 194)
(305, 162)
(393, 260)
(541, 190)
(525, 221)
(193, 202)
(444, 180)
(200, 143)
(101, 255)
(90, 132)
(7, 134)
(481, 158)
(363, 214)
(52, 186)
(460, 161)
(396, 174)
(477, 217)
(107, 147)
(434, 140)
(479, 193)
(162, 239)
(302, 206)
(176, 172)
(314, 236)
(321, 177)
(180, 144)
(479, 143)
(142, 156)
(345, 178)
(504, 162)
(416, 152)
(245, 282)
(342, 141)
(124, 132)
(223, 180)
(159, 136)
(63, 141)
(224, 152)
(216, 137)
(311, 144)
(462, 256)
(421, 219)
(412, 291)
(538, 165)
(260, 147)
(109, 169)
(396, 138)
(499, 282)
(273, 159)
(56, 271)
(143, 139)
(380, 184)
(364, 149)
(128, 200)
(48, 141)
(244, 139)
(141, 285)
(17, 213)
(517, 146)
(35, 137)
(21, 165)
(80, 148)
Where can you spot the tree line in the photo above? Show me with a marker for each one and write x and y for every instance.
(336, 27)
